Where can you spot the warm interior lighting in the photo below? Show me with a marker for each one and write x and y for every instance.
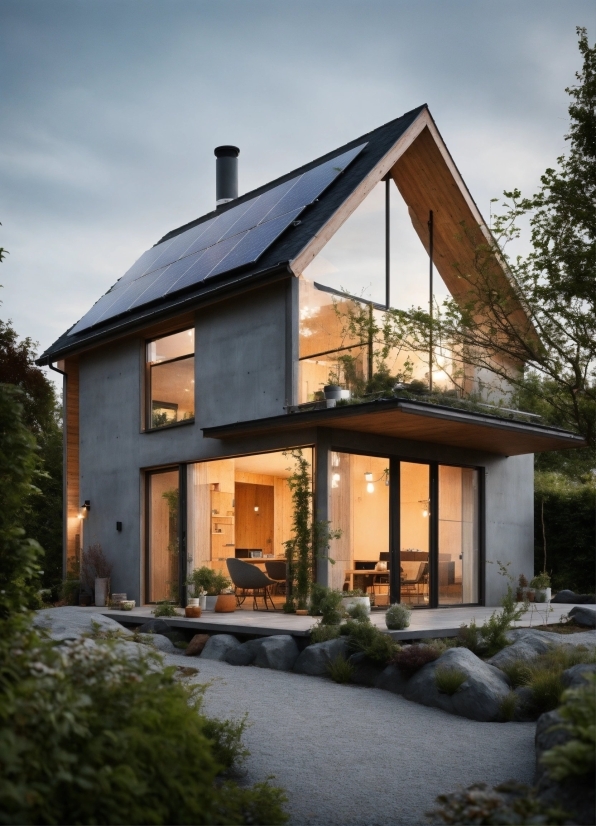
(256, 508)
(368, 477)
(85, 508)
(370, 487)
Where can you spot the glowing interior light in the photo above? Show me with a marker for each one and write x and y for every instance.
(256, 508)
(424, 513)
(370, 487)
(368, 477)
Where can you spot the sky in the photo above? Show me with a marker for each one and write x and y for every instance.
(110, 111)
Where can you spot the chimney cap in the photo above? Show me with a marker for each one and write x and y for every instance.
(226, 151)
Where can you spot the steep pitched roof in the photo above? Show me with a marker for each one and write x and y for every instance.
(409, 148)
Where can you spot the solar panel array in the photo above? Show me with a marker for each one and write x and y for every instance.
(235, 238)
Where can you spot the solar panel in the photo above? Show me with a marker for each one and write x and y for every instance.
(235, 238)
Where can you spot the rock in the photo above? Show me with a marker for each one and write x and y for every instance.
(70, 622)
(569, 597)
(392, 679)
(582, 615)
(366, 672)
(159, 642)
(527, 646)
(478, 698)
(315, 658)
(154, 626)
(524, 710)
(196, 645)
(546, 738)
(576, 676)
(218, 645)
(244, 654)
(279, 652)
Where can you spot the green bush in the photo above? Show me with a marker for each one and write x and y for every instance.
(575, 758)
(89, 736)
(364, 636)
(326, 603)
(165, 609)
(358, 612)
(322, 633)
(397, 617)
(468, 637)
(340, 670)
(226, 739)
(208, 581)
(547, 688)
(449, 680)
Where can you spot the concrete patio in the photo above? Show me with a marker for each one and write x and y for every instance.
(424, 622)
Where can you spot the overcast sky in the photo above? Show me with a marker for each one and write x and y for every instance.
(110, 110)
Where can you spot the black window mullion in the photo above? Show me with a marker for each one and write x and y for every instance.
(394, 531)
(433, 557)
(182, 555)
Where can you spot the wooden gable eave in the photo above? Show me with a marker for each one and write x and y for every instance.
(428, 179)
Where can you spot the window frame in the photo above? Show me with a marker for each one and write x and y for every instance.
(148, 411)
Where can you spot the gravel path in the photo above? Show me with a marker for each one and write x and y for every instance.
(351, 756)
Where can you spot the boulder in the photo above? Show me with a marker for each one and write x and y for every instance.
(196, 645)
(70, 622)
(160, 642)
(244, 654)
(218, 645)
(527, 645)
(366, 672)
(154, 626)
(392, 679)
(582, 615)
(279, 652)
(577, 675)
(478, 698)
(315, 658)
(571, 598)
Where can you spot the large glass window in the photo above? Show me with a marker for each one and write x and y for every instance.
(414, 528)
(171, 379)
(162, 535)
(458, 535)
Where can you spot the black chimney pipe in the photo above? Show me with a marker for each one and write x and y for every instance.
(226, 174)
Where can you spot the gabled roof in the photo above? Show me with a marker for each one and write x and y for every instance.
(409, 148)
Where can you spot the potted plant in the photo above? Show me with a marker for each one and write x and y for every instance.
(96, 572)
(208, 583)
(541, 585)
(356, 597)
(225, 602)
(522, 584)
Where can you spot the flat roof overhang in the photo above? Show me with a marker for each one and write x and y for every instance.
(417, 421)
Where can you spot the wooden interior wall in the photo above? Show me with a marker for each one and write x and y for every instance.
(74, 525)
(163, 560)
(254, 529)
(370, 511)
(283, 513)
(414, 527)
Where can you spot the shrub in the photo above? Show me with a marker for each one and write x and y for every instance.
(576, 757)
(397, 617)
(326, 603)
(165, 609)
(449, 680)
(226, 738)
(411, 658)
(322, 633)
(358, 612)
(468, 637)
(547, 687)
(87, 736)
(507, 707)
(508, 803)
(364, 636)
(340, 670)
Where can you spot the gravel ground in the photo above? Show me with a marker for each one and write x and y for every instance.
(351, 756)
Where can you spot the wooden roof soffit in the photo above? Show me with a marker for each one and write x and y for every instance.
(427, 178)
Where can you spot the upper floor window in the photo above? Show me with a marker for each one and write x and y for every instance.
(171, 379)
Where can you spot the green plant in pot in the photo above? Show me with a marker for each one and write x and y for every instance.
(210, 583)
(541, 585)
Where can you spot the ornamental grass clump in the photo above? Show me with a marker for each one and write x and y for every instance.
(412, 658)
(365, 637)
(340, 670)
(323, 633)
(449, 680)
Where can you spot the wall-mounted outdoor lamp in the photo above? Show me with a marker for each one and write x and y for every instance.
(426, 503)
(85, 508)
(119, 526)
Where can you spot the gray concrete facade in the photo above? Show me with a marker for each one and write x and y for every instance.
(245, 368)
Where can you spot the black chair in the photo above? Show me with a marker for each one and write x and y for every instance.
(276, 570)
(421, 578)
(250, 581)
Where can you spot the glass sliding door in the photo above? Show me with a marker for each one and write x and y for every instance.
(414, 522)
(458, 535)
(163, 558)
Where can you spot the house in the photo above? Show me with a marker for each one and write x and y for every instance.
(190, 379)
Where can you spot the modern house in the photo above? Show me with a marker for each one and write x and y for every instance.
(189, 380)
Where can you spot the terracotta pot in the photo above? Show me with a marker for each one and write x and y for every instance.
(192, 611)
(226, 603)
